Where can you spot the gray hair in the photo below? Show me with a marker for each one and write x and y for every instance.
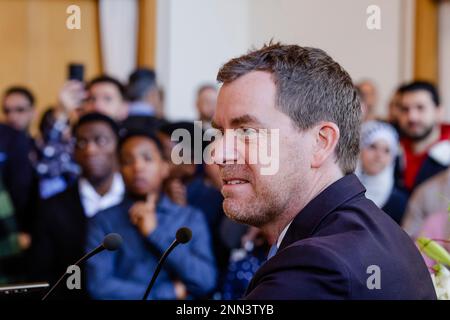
(311, 87)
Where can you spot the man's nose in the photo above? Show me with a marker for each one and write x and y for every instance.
(225, 150)
(138, 165)
(91, 148)
(98, 105)
(414, 115)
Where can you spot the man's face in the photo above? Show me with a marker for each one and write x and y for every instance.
(105, 98)
(95, 150)
(142, 166)
(183, 171)
(18, 111)
(248, 104)
(417, 114)
(206, 104)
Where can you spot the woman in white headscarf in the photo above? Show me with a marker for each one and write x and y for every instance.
(379, 147)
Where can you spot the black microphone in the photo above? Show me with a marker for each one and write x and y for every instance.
(183, 235)
(111, 242)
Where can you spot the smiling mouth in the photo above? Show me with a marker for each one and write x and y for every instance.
(234, 181)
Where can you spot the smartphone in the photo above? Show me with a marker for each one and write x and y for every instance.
(76, 72)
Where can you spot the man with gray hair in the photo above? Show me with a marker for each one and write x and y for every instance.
(331, 242)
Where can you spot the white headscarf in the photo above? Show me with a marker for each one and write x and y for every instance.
(379, 187)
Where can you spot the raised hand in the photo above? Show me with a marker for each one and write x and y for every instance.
(143, 215)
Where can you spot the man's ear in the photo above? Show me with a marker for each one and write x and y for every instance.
(326, 137)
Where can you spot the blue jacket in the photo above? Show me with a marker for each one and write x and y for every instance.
(342, 246)
(125, 273)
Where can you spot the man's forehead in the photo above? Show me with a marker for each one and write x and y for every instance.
(93, 128)
(250, 97)
(104, 87)
(417, 96)
(15, 96)
(248, 85)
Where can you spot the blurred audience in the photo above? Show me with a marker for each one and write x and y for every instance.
(379, 146)
(244, 262)
(369, 99)
(61, 230)
(106, 160)
(56, 166)
(393, 109)
(18, 108)
(19, 112)
(148, 220)
(106, 95)
(182, 171)
(16, 178)
(53, 155)
(206, 104)
(145, 101)
(425, 140)
(103, 94)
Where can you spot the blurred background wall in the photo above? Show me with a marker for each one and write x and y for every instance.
(36, 46)
(195, 37)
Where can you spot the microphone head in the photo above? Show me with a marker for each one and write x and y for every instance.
(112, 241)
(184, 235)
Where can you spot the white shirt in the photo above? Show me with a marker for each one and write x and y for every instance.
(273, 250)
(93, 202)
(282, 234)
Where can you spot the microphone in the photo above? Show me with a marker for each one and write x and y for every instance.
(183, 235)
(111, 242)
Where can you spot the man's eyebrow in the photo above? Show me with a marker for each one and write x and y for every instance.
(244, 119)
(239, 121)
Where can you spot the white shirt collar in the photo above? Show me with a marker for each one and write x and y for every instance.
(93, 202)
(282, 234)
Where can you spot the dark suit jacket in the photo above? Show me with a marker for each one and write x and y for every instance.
(59, 239)
(396, 205)
(329, 248)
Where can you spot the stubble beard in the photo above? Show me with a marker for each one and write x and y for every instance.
(417, 137)
(264, 207)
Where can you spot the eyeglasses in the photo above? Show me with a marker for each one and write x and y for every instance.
(99, 141)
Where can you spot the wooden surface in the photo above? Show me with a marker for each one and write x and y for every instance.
(426, 41)
(147, 33)
(37, 47)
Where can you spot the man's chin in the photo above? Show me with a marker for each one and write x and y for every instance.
(237, 211)
(418, 135)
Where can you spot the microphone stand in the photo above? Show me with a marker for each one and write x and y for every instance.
(158, 268)
(85, 257)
